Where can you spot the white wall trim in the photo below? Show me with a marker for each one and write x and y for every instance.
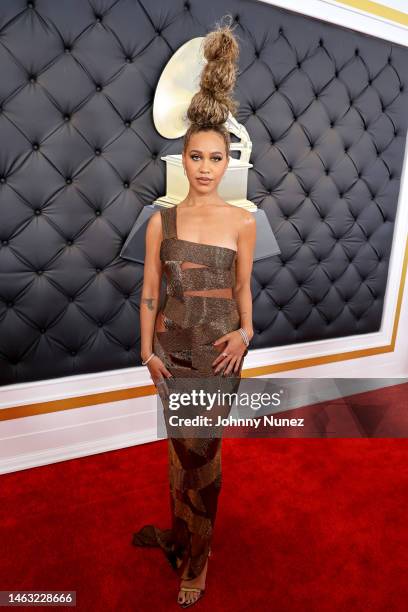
(348, 17)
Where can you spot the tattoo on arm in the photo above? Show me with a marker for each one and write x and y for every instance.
(149, 302)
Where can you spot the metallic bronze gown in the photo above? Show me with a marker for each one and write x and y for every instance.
(199, 308)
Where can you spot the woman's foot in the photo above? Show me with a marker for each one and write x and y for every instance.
(189, 597)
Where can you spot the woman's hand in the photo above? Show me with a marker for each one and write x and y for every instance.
(159, 373)
(230, 357)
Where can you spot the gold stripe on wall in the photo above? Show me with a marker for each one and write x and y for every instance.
(380, 10)
(16, 412)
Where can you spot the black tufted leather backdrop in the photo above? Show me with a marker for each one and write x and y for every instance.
(326, 110)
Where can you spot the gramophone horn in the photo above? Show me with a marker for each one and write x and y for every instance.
(179, 81)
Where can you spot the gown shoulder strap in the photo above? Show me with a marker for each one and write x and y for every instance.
(168, 218)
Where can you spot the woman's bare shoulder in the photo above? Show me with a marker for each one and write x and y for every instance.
(241, 216)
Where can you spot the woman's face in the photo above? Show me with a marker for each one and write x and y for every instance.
(205, 158)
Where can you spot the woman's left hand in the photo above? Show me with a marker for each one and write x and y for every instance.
(230, 357)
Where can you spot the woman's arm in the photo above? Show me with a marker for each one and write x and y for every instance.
(245, 256)
(149, 303)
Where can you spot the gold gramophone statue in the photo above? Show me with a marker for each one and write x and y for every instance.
(177, 85)
(175, 89)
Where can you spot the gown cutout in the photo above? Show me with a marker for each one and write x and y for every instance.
(199, 308)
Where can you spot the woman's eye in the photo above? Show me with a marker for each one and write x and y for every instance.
(216, 158)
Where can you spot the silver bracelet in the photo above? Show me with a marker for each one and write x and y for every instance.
(148, 359)
(244, 335)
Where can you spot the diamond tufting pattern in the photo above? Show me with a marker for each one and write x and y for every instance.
(326, 109)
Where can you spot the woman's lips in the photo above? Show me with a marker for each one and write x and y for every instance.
(203, 180)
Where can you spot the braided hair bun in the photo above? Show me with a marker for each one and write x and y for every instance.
(210, 106)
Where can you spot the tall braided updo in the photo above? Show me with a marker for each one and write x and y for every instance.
(209, 107)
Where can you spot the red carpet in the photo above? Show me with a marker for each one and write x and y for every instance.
(304, 524)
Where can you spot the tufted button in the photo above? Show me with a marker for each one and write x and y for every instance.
(127, 296)
(128, 60)
(341, 195)
(67, 117)
(158, 32)
(389, 59)
(2, 179)
(279, 307)
(127, 348)
(276, 87)
(4, 242)
(71, 299)
(391, 175)
(67, 49)
(316, 96)
(37, 211)
(10, 304)
(370, 81)
(98, 18)
(97, 151)
(285, 216)
(236, 17)
(331, 124)
(320, 42)
(30, 5)
(32, 79)
(39, 272)
(98, 270)
(100, 324)
(154, 155)
(73, 353)
(299, 64)
(127, 123)
(326, 170)
(98, 88)
(256, 53)
(280, 30)
(356, 52)
(401, 88)
(186, 6)
(272, 142)
(68, 181)
(43, 330)
(359, 174)
(289, 168)
(126, 184)
(346, 149)
(35, 147)
(336, 73)
(97, 212)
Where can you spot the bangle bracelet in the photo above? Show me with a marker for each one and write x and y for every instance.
(148, 359)
(244, 336)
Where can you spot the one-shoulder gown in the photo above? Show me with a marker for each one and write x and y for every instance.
(199, 308)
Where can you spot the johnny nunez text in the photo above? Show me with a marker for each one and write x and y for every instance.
(205, 421)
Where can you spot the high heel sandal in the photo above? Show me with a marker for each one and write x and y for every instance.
(201, 592)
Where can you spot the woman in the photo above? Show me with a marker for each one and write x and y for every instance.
(205, 247)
